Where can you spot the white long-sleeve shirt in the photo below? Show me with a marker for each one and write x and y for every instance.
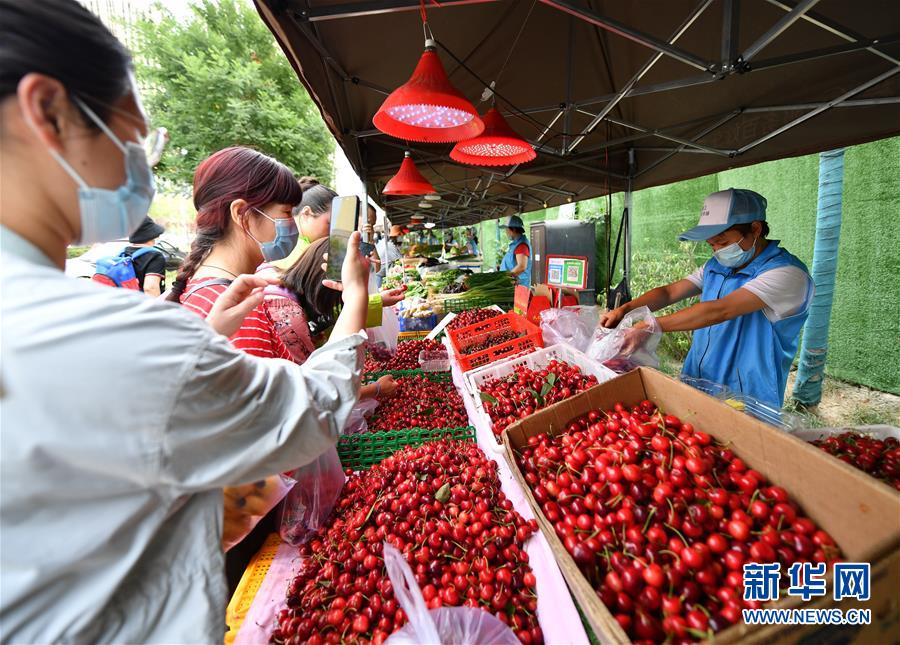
(388, 252)
(122, 419)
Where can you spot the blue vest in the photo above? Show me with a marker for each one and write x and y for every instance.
(509, 261)
(749, 354)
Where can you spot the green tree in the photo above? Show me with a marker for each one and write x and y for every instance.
(219, 79)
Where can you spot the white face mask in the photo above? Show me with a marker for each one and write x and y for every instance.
(734, 256)
(106, 214)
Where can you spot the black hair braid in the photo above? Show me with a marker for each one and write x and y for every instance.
(200, 248)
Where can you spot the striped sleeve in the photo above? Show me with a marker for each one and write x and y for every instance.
(257, 334)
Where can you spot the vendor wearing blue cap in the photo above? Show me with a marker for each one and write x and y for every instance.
(754, 299)
(518, 257)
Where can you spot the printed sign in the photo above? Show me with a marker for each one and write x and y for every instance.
(567, 272)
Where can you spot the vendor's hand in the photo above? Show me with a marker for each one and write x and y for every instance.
(612, 318)
(390, 297)
(354, 271)
(239, 299)
(388, 386)
(635, 337)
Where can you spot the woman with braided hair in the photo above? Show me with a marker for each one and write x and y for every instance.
(242, 196)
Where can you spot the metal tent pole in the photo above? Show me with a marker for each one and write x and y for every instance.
(629, 215)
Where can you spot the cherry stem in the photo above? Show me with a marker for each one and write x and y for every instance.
(678, 533)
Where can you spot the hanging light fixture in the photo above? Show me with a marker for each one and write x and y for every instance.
(498, 145)
(430, 224)
(433, 197)
(424, 204)
(408, 180)
(427, 107)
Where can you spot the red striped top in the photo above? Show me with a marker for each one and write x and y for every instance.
(257, 334)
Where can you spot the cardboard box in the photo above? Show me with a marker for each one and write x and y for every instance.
(860, 513)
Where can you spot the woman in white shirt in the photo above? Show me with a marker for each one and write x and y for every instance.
(123, 417)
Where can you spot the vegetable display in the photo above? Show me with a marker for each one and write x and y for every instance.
(514, 397)
(420, 403)
(441, 505)
(661, 519)
(491, 288)
(880, 458)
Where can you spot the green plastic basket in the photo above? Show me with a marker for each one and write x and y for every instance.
(459, 305)
(363, 450)
(437, 377)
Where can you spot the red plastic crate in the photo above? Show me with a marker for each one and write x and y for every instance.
(466, 337)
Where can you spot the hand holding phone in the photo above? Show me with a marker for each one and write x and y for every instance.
(344, 220)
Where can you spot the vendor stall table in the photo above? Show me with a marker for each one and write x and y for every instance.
(558, 615)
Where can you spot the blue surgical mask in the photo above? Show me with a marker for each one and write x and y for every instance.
(106, 214)
(286, 236)
(734, 256)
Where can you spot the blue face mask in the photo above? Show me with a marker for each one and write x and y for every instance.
(734, 256)
(108, 215)
(286, 236)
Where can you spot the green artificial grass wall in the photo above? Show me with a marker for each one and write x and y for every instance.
(864, 337)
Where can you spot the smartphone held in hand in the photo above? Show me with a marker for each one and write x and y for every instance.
(344, 219)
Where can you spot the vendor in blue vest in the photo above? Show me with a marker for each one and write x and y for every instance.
(754, 299)
(518, 257)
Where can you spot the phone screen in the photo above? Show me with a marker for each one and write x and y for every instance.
(344, 218)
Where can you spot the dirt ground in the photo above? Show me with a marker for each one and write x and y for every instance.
(844, 404)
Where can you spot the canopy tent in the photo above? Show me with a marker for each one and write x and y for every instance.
(613, 95)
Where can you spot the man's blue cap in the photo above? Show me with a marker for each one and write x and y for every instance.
(514, 221)
(724, 209)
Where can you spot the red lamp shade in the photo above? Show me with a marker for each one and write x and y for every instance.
(408, 180)
(427, 107)
(498, 145)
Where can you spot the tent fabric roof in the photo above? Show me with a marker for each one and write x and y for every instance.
(605, 90)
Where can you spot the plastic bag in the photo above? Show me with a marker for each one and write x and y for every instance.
(357, 422)
(312, 498)
(247, 504)
(622, 349)
(387, 333)
(571, 325)
(444, 626)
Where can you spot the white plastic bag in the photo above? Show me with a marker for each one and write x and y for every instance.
(573, 326)
(247, 504)
(623, 349)
(444, 626)
(387, 333)
(312, 498)
(358, 420)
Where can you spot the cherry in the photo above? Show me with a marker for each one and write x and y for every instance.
(660, 518)
(341, 591)
(405, 358)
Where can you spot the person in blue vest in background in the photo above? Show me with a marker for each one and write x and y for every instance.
(754, 299)
(518, 257)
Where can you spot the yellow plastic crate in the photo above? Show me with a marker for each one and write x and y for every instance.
(249, 586)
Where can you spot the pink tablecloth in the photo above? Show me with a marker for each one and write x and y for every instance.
(556, 612)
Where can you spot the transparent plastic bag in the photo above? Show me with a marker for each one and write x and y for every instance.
(573, 326)
(622, 349)
(357, 422)
(311, 500)
(247, 504)
(444, 626)
(387, 333)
